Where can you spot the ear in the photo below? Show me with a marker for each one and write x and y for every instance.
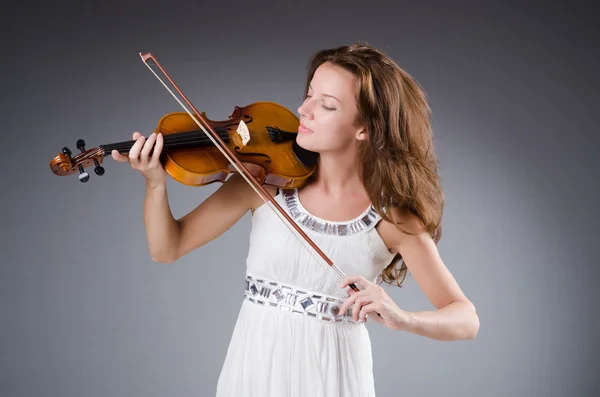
(361, 134)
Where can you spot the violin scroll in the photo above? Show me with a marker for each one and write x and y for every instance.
(66, 164)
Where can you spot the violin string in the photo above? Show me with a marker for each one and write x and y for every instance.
(173, 138)
(168, 142)
(173, 141)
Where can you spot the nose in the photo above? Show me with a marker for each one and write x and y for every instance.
(306, 109)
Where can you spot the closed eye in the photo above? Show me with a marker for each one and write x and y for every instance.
(322, 103)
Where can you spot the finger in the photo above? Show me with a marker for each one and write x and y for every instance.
(357, 294)
(157, 149)
(352, 299)
(118, 156)
(355, 280)
(349, 302)
(134, 152)
(146, 149)
(360, 302)
(370, 311)
(136, 135)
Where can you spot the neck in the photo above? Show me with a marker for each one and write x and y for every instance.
(338, 175)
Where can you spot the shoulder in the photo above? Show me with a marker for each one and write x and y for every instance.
(238, 187)
(403, 227)
(256, 200)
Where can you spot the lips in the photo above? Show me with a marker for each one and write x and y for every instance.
(303, 129)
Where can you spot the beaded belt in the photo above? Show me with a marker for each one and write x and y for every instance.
(296, 300)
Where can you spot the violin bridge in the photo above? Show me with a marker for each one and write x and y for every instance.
(244, 132)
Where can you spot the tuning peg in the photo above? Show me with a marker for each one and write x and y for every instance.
(81, 145)
(98, 169)
(83, 176)
(67, 152)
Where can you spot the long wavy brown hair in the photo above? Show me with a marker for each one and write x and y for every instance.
(398, 164)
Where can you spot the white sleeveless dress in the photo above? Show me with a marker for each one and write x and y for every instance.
(289, 340)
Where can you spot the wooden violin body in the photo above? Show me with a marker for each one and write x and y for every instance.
(261, 135)
(268, 155)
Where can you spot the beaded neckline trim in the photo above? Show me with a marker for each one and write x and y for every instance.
(364, 221)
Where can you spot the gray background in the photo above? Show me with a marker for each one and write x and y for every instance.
(84, 310)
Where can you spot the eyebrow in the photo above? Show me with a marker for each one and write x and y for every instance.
(327, 95)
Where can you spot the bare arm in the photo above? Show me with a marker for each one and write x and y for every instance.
(455, 317)
(162, 230)
(215, 215)
(170, 239)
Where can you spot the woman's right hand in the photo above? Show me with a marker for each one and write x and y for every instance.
(140, 160)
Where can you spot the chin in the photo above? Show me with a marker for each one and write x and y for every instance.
(305, 142)
(305, 152)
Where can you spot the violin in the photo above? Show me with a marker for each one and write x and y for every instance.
(262, 136)
(262, 149)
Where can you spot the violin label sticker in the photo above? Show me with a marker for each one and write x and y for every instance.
(244, 132)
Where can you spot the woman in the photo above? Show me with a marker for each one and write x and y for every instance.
(374, 207)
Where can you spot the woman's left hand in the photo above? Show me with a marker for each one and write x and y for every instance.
(373, 300)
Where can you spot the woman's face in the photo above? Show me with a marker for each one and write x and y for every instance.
(329, 110)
